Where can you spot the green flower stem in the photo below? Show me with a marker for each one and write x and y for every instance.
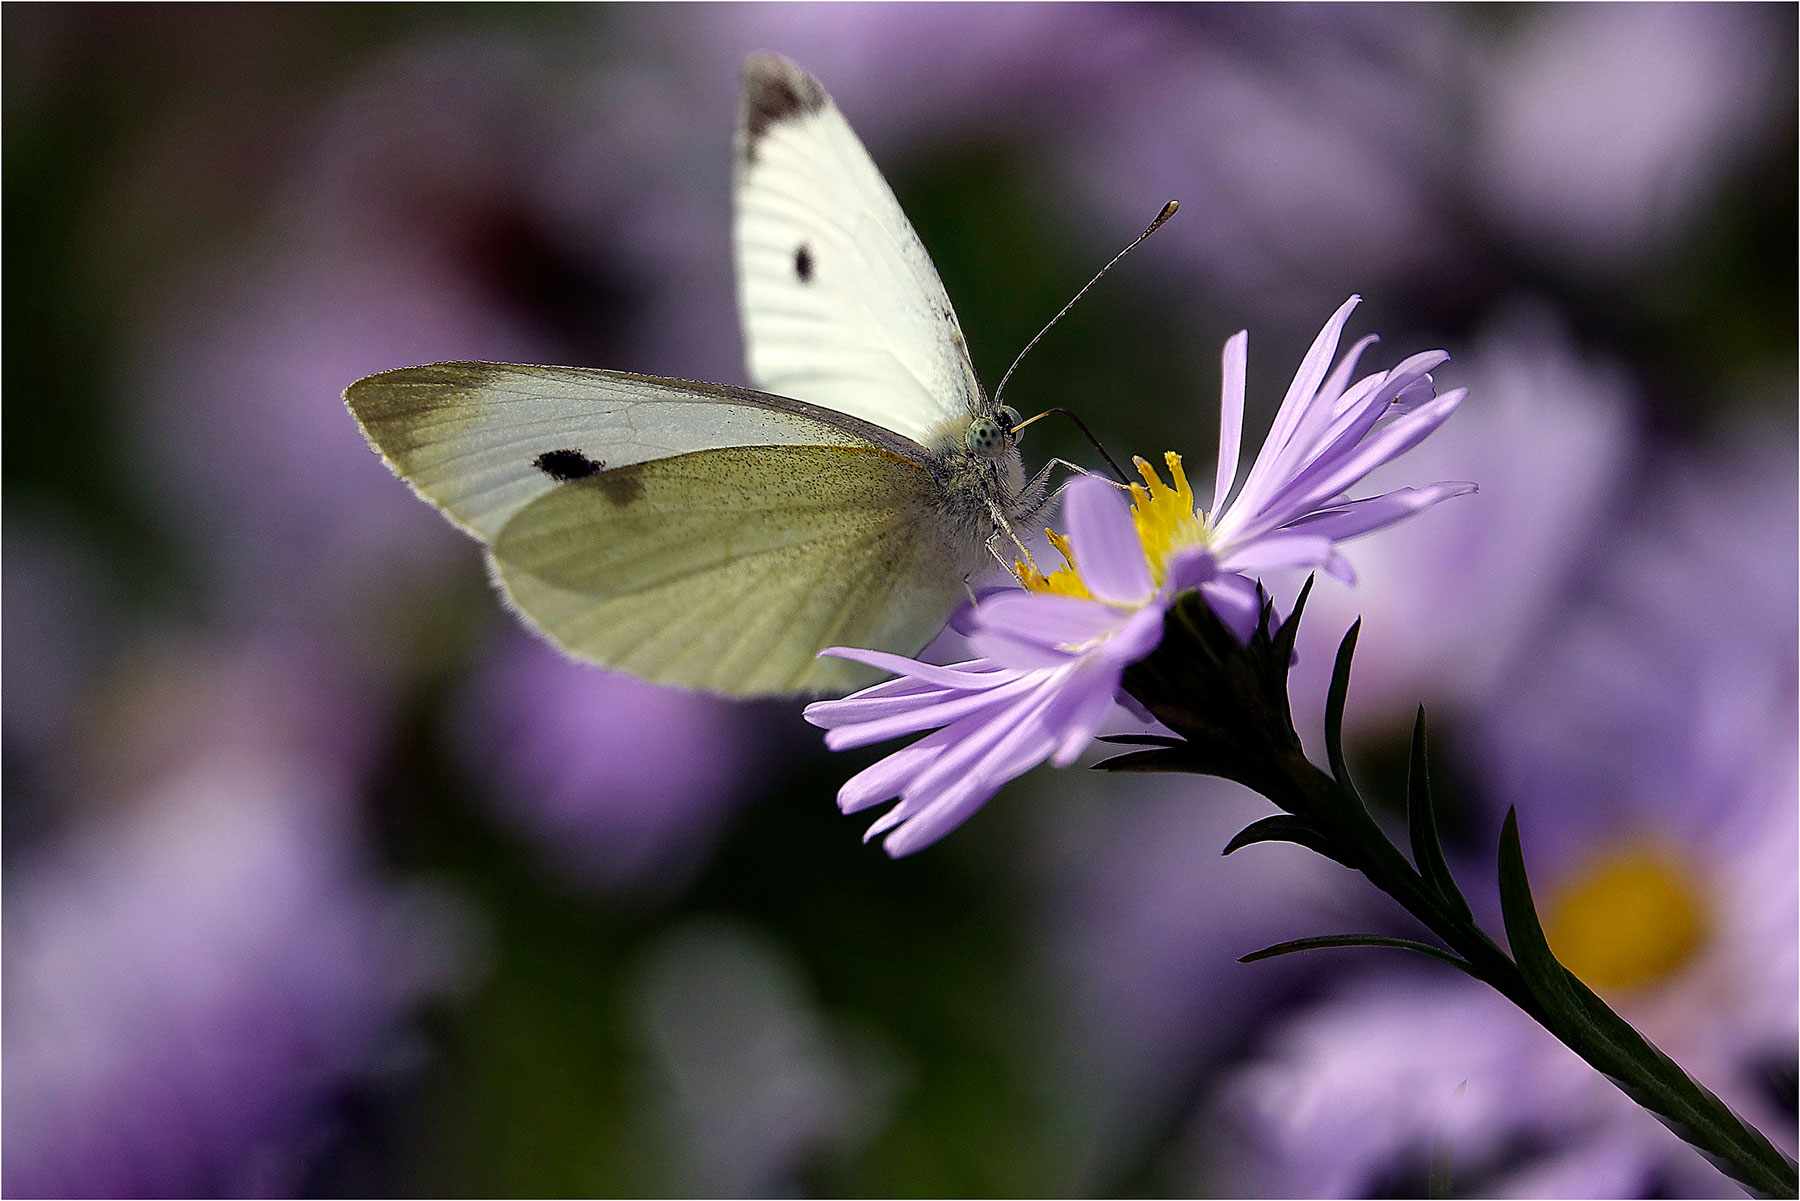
(1632, 1063)
(1228, 703)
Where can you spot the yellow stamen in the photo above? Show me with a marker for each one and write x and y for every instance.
(1166, 522)
(1064, 581)
(1630, 918)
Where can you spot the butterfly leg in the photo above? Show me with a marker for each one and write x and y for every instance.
(1003, 530)
(1036, 486)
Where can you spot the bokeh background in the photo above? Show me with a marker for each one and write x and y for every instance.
(322, 878)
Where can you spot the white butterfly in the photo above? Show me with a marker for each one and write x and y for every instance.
(717, 537)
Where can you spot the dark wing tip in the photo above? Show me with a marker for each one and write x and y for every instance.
(775, 90)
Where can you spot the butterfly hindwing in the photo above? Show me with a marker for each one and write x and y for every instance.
(728, 569)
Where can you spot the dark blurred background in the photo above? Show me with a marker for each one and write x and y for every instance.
(321, 877)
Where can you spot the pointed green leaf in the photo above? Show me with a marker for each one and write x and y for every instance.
(1428, 852)
(1170, 759)
(1549, 980)
(1281, 827)
(1328, 941)
(1161, 740)
(1334, 703)
(1290, 629)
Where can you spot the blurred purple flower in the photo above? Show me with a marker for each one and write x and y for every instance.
(195, 975)
(619, 784)
(1652, 755)
(1051, 656)
(1600, 132)
(1313, 137)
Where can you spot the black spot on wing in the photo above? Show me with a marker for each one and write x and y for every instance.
(775, 90)
(565, 465)
(803, 263)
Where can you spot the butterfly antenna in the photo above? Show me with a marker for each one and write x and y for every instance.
(1168, 210)
(1086, 433)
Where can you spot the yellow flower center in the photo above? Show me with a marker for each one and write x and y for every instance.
(1630, 918)
(1167, 521)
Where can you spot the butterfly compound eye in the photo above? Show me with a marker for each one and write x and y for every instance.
(1009, 418)
(987, 437)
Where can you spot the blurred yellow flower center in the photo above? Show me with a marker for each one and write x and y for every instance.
(1631, 918)
(1166, 522)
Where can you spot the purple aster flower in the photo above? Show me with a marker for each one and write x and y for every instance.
(1051, 655)
(200, 969)
(1599, 134)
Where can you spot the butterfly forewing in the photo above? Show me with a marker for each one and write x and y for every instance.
(841, 305)
(483, 440)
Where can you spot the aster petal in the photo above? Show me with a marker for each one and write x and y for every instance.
(1105, 542)
(1236, 601)
(961, 676)
(1085, 703)
(1386, 392)
(973, 673)
(1333, 388)
(953, 707)
(1018, 652)
(1373, 513)
(1275, 551)
(1329, 477)
(1322, 419)
(1046, 618)
(1189, 568)
(964, 768)
(962, 620)
(1300, 392)
(852, 710)
(968, 775)
(1273, 502)
(1231, 414)
(1141, 634)
(890, 776)
(1323, 481)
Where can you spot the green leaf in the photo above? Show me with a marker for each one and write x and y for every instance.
(1548, 980)
(1283, 827)
(1157, 759)
(1161, 740)
(1290, 629)
(1328, 941)
(1428, 852)
(1334, 704)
